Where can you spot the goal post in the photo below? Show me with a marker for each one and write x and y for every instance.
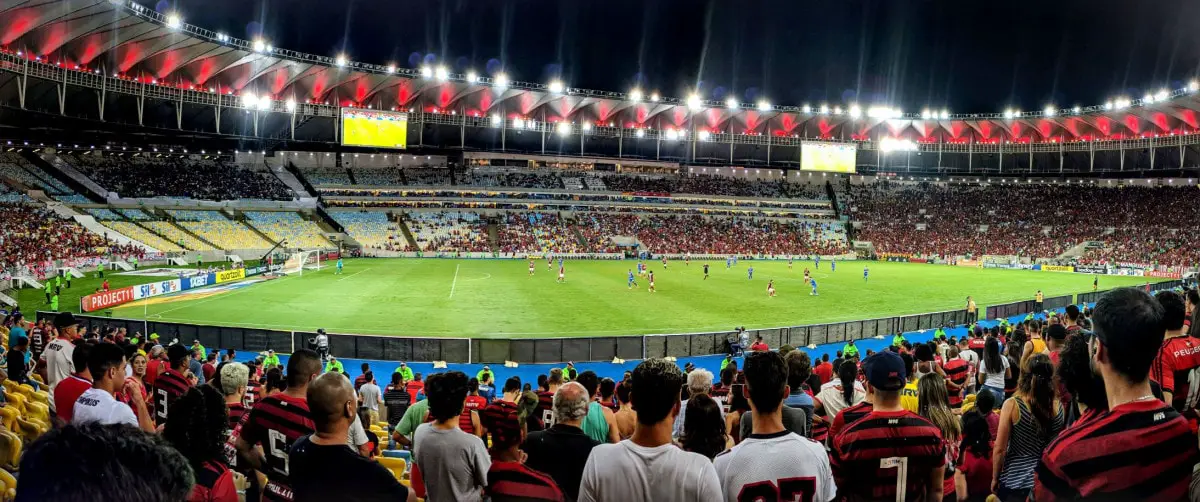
(299, 261)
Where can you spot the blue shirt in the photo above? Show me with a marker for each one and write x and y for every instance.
(631, 276)
(197, 370)
(814, 283)
(339, 262)
(488, 392)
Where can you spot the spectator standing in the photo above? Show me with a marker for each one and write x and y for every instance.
(494, 414)
(415, 387)
(106, 363)
(957, 372)
(200, 439)
(209, 368)
(599, 423)
(1176, 360)
(832, 399)
(993, 369)
(233, 387)
(771, 462)
(396, 399)
(562, 450)
(172, 382)
(1028, 422)
(371, 396)
(278, 421)
(625, 417)
(18, 370)
(699, 383)
(973, 467)
(196, 366)
(867, 464)
(935, 407)
(362, 377)
(1129, 327)
(69, 389)
(321, 467)
(546, 397)
(453, 464)
(510, 479)
(704, 432)
(405, 371)
(487, 387)
(798, 405)
(648, 467)
(59, 363)
(823, 369)
(469, 421)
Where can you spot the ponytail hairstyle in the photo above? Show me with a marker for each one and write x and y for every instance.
(848, 374)
(1037, 386)
(991, 355)
(976, 437)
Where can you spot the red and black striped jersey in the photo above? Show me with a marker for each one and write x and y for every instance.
(957, 371)
(512, 481)
(253, 389)
(167, 388)
(500, 419)
(545, 407)
(884, 450)
(1177, 364)
(1143, 450)
(276, 422)
(848, 416)
(236, 411)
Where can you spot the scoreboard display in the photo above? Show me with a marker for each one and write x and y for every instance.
(374, 128)
(828, 157)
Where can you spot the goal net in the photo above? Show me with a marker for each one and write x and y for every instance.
(299, 261)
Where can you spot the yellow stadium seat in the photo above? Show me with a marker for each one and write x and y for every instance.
(29, 430)
(39, 379)
(42, 396)
(38, 411)
(10, 450)
(15, 400)
(396, 465)
(10, 485)
(8, 418)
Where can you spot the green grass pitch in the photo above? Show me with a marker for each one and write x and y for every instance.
(497, 298)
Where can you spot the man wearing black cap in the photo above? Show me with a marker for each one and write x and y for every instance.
(889, 448)
(1141, 448)
(58, 353)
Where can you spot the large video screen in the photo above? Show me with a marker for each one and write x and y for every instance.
(374, 128)
(829, 157)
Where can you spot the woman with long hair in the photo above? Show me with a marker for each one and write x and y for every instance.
(625, 416)
(738, 406)
(933, 403)
(1080, 387)
(1012, 352)
(138, 365)
(841, 393)
(973, 468)
(199, 431)
(1028, 422)
(993, 369)
(703, 431)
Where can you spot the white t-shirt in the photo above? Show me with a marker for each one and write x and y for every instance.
(992, 377)
(96, 405)
(356, 436)
(59, 365)
(630, 473)
(783, 464)
(972, 359)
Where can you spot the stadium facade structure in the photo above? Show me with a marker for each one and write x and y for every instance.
(132, 68)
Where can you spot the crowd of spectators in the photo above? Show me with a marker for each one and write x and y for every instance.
(287, 226)
(537, 233)
(372, 229)
(716, 185)
(1143, 225)
(35, 238)
(449, 231)
(512, 179)
(146, 176)
(16, 167)
(712, 235)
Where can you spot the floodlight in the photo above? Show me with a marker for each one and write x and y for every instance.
(442, 73)
(731, 103)
(501, 81)
(563, 128)
(426, 72)
(824, 109)
(1148, 98)
(1049, 111)
(291, 105)
(1193, 86)
(497, 120)
(587, 127)
(259, 45)
(556, 86)
(635, 95)
(518, 123)
(1162, 95)
(855, 111)
(926, 114)
(945, 114)
(764, 105)
(391, 68)
(1077, 110)
(654, 97)
(341, 60)
(472, 77)
(249, 100)
(264, 103)
(694, 103)
(641, 133)
(704, 135)
(1008, 114)
(174, 21)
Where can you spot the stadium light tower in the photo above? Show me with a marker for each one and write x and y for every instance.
(764, 105)
(442, 73)
(731, 103)
(556, 86)
(501, 81)
(174, 21)
(635, 95)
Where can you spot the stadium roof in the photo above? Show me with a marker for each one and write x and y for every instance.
(120, 39)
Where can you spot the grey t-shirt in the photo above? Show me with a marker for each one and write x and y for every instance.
(794, 419)
(370, 396)
(454, 464)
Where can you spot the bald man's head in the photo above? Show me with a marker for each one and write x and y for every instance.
(331, 402)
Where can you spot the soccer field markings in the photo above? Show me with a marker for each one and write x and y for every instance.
(354, 274)
(202, 302)
(454, 284)
(485, 277)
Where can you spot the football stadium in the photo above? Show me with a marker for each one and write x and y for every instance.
(226, 256)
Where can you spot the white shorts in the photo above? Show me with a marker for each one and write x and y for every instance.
(560, 276)
(652, 284)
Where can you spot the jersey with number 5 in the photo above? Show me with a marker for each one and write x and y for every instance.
(276, 422)
(776, 467)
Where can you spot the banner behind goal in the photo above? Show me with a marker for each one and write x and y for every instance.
(299, 261)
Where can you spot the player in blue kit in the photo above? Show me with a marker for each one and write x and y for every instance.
(728, 262)
(833, 265)
(865, 270)
(339, 265)
(631, 281)
(750, 272)
(817, 262)
(814, 287)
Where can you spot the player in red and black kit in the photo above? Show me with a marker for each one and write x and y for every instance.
(890, 447)
(171, 383)
(958, 371)
(1141, 448)
(1178, 361)
(276, 422)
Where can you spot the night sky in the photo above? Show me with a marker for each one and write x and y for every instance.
(964, 55)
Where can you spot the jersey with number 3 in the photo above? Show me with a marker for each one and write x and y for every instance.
(276, 422)
(887, 455)
(775, 467)
(167, 388)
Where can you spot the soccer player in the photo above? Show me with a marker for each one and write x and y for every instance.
(789, 263)
(1138, 449)
(728, 262)
(1095, 282)
(560, 262)
(650, 273)
(339, 265)
(771, 288)
(562, 277)
(833, 265)
(549, 262)
(706, 271)
(772, 463)
(866, 270)
(530, 268)
(890, 448)
(664, 261)
(817, 262)
(631, 282)
(276, 422)
(814, 287)
(807, 275)
(687, 260)
(750, 272)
